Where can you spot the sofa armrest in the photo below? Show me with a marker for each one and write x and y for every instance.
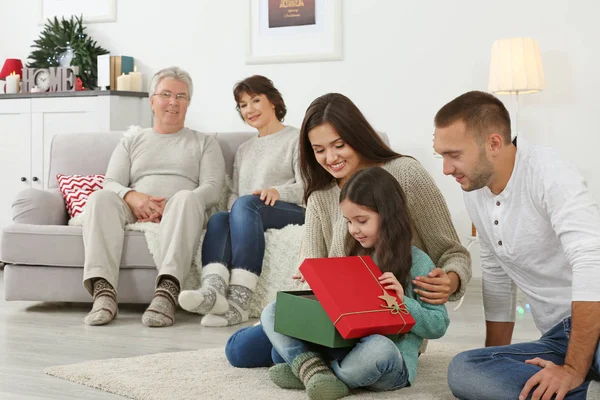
(40, 207)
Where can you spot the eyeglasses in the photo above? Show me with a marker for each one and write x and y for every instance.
(168, 95)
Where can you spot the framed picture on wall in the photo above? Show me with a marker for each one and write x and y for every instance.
(291, 31)
(92, 11)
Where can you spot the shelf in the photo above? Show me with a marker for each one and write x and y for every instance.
(81, 93)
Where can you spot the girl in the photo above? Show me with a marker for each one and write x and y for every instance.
(267, 194)
(375, 211)
(336, 141)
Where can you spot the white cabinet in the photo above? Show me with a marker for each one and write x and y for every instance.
(29, 122)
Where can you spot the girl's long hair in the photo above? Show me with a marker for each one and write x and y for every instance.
(354, 129)
(377, 190)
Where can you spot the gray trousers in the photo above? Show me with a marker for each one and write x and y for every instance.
(105, 217)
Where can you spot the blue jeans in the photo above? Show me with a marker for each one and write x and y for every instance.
(374, 363)
(237, 240)
(251, 348)
(501, 373)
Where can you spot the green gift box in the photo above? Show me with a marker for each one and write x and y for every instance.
(300, 315)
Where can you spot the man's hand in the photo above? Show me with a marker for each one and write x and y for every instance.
(552, 379)
(146, 208)
(269, 196)
(435, 288)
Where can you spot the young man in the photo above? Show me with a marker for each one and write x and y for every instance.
(539, 230)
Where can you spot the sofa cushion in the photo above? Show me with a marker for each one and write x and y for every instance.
(59, 245)
(76, 189)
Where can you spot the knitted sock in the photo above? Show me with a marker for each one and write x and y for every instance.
(320, 382)
(105, 307)
(241, 288)
(210, 298)
(161, 311)
(283, 376)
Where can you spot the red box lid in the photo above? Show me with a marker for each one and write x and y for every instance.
(348, 288)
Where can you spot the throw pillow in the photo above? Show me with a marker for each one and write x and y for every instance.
(76, 189)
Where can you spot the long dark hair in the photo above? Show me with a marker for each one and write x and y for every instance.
(354, 129)
(377, 190)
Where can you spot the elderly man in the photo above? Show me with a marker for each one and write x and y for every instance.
(169, 175)
(540, 231)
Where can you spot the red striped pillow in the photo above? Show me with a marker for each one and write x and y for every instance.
(76, 189)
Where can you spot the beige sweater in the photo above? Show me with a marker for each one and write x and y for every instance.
(325, 230)
(163, 164)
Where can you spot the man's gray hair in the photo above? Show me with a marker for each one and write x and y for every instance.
(175, 73)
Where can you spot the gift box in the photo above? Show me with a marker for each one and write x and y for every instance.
(348, 292)
(299, 314)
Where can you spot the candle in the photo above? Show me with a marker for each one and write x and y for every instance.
(13, 83)
(124, 82)
(135, 80)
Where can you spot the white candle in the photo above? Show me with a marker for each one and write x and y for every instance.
(13, 83)
(135, 83)
(124, 82)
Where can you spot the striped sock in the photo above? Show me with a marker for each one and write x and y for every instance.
(161, 311)
(320, 382)
(283, 376)
(105, 307)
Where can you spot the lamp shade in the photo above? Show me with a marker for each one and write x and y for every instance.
(516, 67)
(11, 65)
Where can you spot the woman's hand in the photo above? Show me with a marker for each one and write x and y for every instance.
(269, 196)
(389, 281)
(436, 287)
(146, 208)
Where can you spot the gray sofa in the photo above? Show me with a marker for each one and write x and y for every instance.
(43, 256)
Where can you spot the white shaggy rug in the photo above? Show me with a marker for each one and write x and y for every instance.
(206, 374)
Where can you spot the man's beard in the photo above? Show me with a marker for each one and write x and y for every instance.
(481, 174)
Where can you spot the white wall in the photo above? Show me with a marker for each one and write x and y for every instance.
(402, 61)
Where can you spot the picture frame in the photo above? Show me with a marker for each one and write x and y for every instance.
(320, 40)
(92, 11)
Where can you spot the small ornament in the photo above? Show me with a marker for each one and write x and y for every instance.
(79, 84)
(65, 58)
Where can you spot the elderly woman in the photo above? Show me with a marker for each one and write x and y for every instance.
(168, 175)
(267, 194)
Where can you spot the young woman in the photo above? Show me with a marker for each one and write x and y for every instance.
(375, 212)
(336, 141)
(267, 194)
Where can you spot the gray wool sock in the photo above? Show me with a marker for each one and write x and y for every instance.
(105, 307)
(210, 298)
(241, 288)
(161, 311)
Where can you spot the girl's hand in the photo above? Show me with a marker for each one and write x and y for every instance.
(269, 196)
(389, 281)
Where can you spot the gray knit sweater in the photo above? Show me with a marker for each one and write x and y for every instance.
(164, 164)
(269, 162)
(325, 229)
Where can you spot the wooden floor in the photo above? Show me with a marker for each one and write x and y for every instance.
(37, 335)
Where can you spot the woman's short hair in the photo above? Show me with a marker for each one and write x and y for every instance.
(258, 84)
